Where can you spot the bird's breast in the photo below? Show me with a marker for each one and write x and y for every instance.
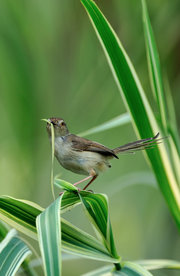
(81, 162)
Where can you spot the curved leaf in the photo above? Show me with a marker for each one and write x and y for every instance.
(96, 206)
(159, 264)
(22, 216)
(154, 67)
(142, 116)
(13, 251)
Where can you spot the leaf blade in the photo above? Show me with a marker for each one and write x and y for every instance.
(159, 264)
(96, 206)
(133, 269)
(74, 241)
(49, 235)
(154, 66)
(13, 251)
(137, 104)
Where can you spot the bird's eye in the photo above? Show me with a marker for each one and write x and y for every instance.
(62, 124)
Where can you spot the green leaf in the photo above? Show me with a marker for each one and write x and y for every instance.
(13, 252)
(157, 86)
(49, 235)
(128, 269)
(96, 206)
(69, 201)
(133, 269)
(172, 121)
(102, 271)
(159, 264)
(115, 122)
(3, 230)
(154, 67)
(142, 116)
(82, 244)
(22, 216)
(174, 141)
(65, 185)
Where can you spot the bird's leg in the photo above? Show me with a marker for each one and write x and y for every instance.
(82, 180)
(93, 178)
(93, 174)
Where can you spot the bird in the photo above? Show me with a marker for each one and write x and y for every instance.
(86, 157)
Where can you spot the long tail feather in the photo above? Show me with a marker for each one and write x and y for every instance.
(140, 145)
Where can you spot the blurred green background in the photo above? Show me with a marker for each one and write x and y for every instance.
(51, 64)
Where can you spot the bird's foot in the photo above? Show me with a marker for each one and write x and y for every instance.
(75, 191)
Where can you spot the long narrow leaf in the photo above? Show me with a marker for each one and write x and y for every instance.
(96, 206)
(102, 271)
(65, 185)
(22, 216)
(128, 269)
(115, 122)
(159, 264)
(136, 101)
(49, 235)
(174, 142)
(13, 251)
(172, 121)
(157, 86)
(133, 269)
(154, 67)
(69, 201)
(82, 244)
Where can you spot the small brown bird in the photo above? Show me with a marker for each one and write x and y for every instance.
(86, 157)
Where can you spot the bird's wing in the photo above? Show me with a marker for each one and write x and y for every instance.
(82, 144)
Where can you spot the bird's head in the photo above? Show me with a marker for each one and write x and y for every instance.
(60, 128)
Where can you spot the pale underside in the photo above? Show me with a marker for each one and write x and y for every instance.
(80, 162)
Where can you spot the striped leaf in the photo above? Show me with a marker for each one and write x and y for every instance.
(142, 116)
(154, 67)
(65, 185)
(49, 235)
(69, 201)
(157, 87)
(13, 251)
(82, 244)
(96, 206)
(159, 264)
(133, 269)
(128, 269)
(102, 271)
(22, 215)
(172, 121)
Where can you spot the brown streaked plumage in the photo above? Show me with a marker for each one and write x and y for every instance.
(87, 157)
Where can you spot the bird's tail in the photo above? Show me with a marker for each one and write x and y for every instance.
(139, 145)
